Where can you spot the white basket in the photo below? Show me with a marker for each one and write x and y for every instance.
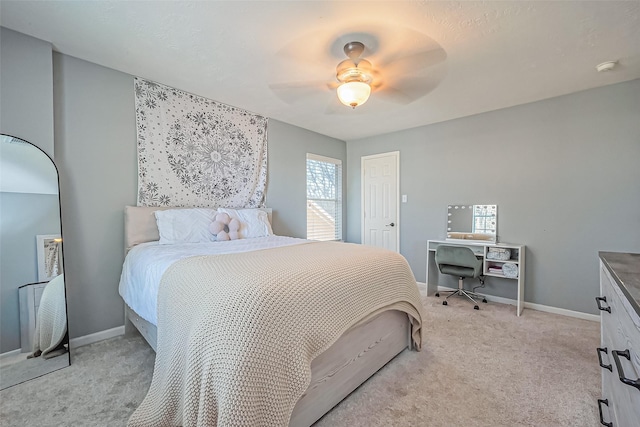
(510, 270)
(499, 254)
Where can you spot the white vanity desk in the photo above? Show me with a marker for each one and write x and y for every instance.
(480, 249)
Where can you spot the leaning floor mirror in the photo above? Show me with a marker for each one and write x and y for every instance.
(33, 314)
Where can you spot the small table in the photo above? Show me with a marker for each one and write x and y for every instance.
(480, 249)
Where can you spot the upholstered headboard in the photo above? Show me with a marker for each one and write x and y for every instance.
(140, 224)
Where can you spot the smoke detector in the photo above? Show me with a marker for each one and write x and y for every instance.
(606, 66)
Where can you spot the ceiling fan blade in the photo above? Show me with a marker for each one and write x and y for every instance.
(407, 90)
(408, 64)
(294, 92)
(312, 48)
(389, 93)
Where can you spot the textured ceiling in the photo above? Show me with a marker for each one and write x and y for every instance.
(490, 55)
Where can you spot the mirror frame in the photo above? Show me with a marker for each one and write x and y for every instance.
(470, 234)
(66, 340)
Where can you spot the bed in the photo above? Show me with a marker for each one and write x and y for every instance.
(336, 368)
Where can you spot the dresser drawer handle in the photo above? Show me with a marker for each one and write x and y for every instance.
(600, 351)
(602, 421)
(633, 383)
(600, 307)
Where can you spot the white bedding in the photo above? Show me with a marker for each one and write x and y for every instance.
(146, 263)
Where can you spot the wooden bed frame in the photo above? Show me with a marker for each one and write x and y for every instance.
(351, 360)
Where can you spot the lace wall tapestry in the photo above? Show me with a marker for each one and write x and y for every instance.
(193, 151)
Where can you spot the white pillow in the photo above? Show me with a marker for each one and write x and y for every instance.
(185, 225)
(253, 222)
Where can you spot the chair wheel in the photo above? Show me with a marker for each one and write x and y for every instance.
(484, 300)
(438, 294)
(475, 307)
(444, 303)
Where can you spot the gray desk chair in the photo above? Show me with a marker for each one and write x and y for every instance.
(463, 263)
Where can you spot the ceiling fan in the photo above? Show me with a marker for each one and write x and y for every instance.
(355, 76)
(396, 77)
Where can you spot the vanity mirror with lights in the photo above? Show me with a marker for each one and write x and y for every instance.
(472, 222)
(476, 227)
(33, 316)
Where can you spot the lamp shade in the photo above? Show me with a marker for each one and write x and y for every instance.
(354, 94)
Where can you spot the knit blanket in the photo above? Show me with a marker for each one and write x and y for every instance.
(51, 323)
(237, 332)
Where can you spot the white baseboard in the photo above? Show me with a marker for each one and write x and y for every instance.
(10, 353)
(562, 311)
(98, 336)
(79, 341)
(533, 306)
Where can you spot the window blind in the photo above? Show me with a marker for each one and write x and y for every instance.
(324, 198)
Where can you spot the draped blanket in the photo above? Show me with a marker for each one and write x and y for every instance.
(237, 332)
(51, 324)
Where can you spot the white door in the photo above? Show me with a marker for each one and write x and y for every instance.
(380, 214)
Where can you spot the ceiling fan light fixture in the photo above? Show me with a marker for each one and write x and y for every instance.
(354, 94)
(355, 76)
(348, 70)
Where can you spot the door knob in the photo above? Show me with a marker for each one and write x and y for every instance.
(391, 225)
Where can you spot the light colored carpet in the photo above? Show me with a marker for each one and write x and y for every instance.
(19, 368)
(477, 368)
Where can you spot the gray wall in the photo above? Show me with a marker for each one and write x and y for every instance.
(563, 172)
(287, 174)
(26, 111)
(96, 155)
(23, 217)
(26, 89)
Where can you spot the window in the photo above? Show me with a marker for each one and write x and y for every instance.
(484, 219)
(324, 198)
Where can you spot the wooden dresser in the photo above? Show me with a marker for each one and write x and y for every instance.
(619, 351)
